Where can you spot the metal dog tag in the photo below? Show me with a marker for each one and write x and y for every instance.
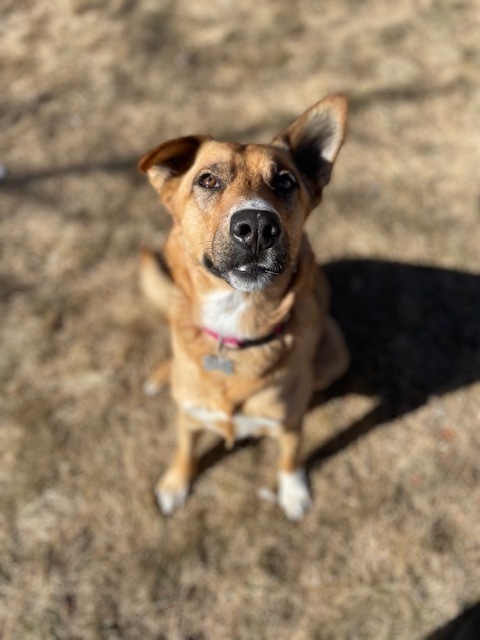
(217, 363)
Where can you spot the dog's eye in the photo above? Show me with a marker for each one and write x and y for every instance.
(284, 181)
(208, 181)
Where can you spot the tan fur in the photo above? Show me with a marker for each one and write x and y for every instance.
(155, 283)
(272, 382)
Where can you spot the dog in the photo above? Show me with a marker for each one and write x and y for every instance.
(248, 308)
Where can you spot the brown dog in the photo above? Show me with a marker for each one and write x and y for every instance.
(248, 307)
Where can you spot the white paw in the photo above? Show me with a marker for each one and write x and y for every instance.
(169, 500)
(151, 388)
(293, 494)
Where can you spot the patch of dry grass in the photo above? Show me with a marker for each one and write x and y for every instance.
(391, 548)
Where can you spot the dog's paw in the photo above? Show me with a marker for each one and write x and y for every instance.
(151, 388)
(171, 494)
(158, 379)
(293, 494)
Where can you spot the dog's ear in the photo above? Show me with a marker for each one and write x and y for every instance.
(170, 159)
(314, 140)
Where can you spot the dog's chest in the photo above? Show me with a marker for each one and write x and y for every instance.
(223, 312)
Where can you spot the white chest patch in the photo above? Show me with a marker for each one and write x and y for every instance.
(222, 312)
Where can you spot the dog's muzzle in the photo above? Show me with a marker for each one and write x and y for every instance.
(256, 253)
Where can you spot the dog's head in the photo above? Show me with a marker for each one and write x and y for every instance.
(241, 208)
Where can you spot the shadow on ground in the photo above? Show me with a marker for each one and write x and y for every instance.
(413, 333)
(465, 627)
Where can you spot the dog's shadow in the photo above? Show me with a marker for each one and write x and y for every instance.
(413, 332)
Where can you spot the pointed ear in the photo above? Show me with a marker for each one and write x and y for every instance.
(170, 159)
(314, 140)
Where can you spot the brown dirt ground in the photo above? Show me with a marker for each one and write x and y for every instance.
(391, 549)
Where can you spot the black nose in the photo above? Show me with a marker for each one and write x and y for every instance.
(255, 230)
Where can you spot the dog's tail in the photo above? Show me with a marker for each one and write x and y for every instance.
(155, 280)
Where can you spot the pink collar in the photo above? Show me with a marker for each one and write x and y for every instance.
(237, 343)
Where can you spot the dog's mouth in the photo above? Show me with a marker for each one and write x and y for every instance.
(252, 277)
(255, 270)
(249, 276)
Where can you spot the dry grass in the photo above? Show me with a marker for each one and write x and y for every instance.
(391, 549)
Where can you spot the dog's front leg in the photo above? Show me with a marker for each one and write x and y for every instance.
(293, 491)
(172, 489)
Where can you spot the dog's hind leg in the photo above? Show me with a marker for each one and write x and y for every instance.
(158, 379)
(172, 489)
(332, 358)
